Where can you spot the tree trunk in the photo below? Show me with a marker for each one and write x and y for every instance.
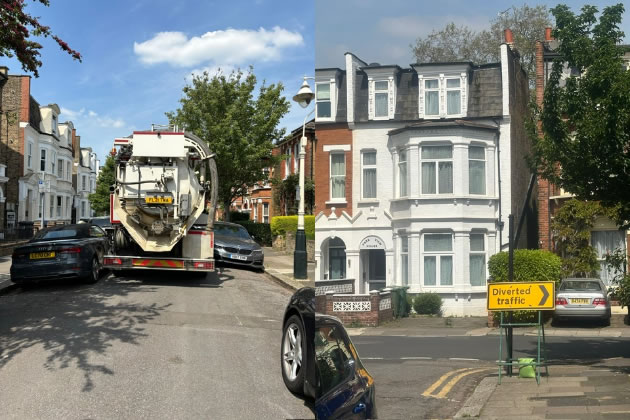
(226, 211)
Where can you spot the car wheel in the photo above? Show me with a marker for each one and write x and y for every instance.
(291, 357)
(94, 272)
(606, 322)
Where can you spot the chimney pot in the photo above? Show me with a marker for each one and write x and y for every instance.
(548, 34)
(509, 38)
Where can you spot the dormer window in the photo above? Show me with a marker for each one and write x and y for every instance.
(441, 95)
(54, 124)
(453, 97)
(323, 102)
(381, 90)
(432, 97)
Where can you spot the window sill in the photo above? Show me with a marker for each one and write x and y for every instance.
(369, 201)
(328, 203)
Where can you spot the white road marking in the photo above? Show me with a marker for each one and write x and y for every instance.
(371, 358)
(416, 358)
(463, 358)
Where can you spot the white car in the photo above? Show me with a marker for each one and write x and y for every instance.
(582, 298)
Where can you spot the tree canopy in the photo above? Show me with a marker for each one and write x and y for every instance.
(460, 43)
(585, 119)
(16, 28)
(99, 200)
(239, 128)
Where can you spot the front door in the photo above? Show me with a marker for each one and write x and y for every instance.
(376, 269)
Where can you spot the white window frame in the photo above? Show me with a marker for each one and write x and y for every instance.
(437, 161)
(29, 158)
(381, 92)
(345, 166)
(42, 159)
(59, 206)
(53, 162)
(83, 183)
(485, 172)
(60, 168)
(68, 172)
(52, 205)
(438, 257)
(442, 90)
(402, 194)
(478, 253)
(332, 99)
(391, 96)
(265, 212)
(363, 168)
(404, 259)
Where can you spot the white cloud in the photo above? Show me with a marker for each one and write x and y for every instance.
(231, 47)
(81, 117)
(414, 26)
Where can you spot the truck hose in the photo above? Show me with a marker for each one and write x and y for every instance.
(214, 191)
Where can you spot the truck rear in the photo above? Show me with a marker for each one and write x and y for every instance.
(157, 201)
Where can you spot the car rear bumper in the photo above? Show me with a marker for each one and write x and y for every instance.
(23, 275)
(255, 261)
(563, 312)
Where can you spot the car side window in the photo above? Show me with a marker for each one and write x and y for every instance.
(96, 232)
(332, 357)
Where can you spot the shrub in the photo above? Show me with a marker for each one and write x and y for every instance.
(261, 231)
(237, 216)
(529, 265)
(280, 225)
(428, 304)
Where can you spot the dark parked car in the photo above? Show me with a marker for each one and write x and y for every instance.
(103, 222)
(582, 298)
(318, 360)
(234, 245)
(67, 251)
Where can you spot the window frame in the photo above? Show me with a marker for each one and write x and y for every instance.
(51, 205)
(29, 155)
(404, 262)
(476, 253)
(426, 90)
(330, 174)
(438, 260)
(53, 162)
(59, 206)
(369, 167)
(330, 259)
(485, 173)
(436, 162)
(60, 168)
(329, 101)
(42, 159)
(381, 92)
(447, 90)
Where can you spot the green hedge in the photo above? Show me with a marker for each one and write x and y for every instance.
(261, 231)
(427, 304)
(237, 216)
(529, 265)
(280, 225)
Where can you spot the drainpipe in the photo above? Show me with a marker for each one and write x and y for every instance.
(500, 224)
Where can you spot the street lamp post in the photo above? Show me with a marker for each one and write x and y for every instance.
(304, 97)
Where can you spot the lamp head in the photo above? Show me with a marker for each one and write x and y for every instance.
(305, 95)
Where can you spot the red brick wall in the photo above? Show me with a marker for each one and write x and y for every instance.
(544, 187)
(372, 318)
(331, 135)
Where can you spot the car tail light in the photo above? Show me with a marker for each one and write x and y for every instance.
(599, 301)
(73, 250)
(561, 301)
(112, 261)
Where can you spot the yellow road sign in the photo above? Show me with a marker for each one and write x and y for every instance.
(512, 296)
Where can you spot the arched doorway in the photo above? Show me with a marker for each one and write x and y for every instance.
(336, 259)
(373, 263)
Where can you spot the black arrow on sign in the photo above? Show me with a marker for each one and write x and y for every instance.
(545, 295)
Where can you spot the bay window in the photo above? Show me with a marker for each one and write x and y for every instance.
(476, 170)
(437, 169)
(338, 176)
(368, 162)
(438, 259)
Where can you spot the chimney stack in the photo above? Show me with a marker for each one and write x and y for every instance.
(548, 34)
(509, 38)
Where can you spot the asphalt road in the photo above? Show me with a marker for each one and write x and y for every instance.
(432, 377)
(146, 346)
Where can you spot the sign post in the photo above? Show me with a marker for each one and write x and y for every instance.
(514, 296)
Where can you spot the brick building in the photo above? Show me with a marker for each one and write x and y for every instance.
(37, 153)
(605, 235)
(417, 170)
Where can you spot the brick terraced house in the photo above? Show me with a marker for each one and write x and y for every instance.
(416, 172)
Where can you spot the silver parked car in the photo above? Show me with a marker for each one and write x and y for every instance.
(233, 245)
(582, 298)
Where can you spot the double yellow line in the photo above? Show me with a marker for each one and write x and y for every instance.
(455, 375)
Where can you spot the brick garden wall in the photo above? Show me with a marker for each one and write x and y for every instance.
(369, 310)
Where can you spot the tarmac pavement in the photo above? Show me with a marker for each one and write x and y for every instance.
(279, 266)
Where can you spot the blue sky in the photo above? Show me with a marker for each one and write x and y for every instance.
(138, 55)
(382, 31)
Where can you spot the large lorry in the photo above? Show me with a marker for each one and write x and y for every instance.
(158, 200)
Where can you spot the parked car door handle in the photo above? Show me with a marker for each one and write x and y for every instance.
(358, 408)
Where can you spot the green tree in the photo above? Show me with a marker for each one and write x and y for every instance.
(99, 200)
(585, 120)
(460, 43)
(16, 27)
(239, 128)
(284, 195)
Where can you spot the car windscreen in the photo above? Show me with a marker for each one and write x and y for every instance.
(589, 286)
(57, 234)
(101, 222)
(230, 232)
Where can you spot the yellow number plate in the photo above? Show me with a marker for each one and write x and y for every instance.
(158, 200)
(581, 301)
(40, 255)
